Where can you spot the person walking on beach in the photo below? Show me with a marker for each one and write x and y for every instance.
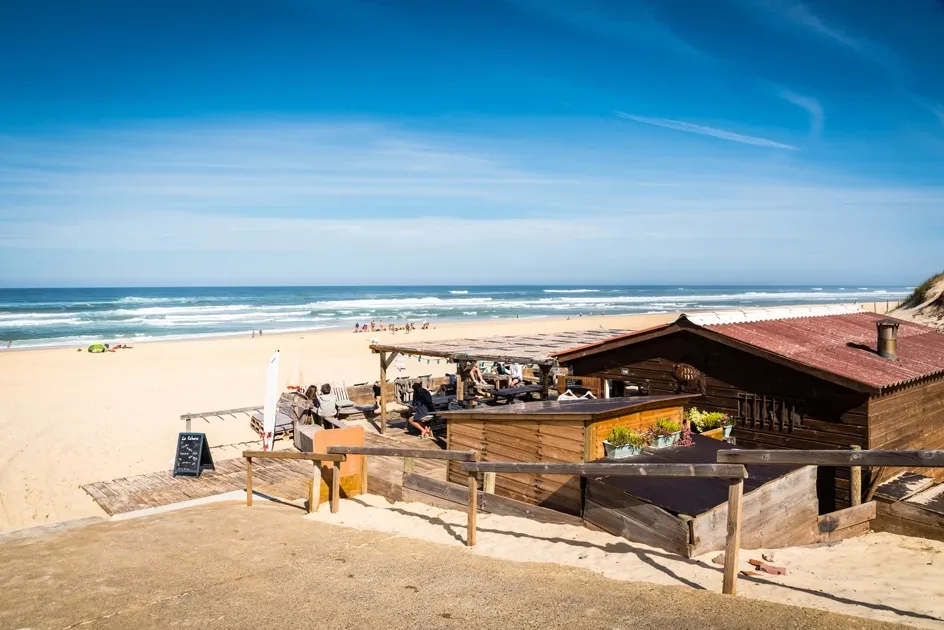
(253, 334)
(10, 344)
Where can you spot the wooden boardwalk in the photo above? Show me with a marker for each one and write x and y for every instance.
(285, 479)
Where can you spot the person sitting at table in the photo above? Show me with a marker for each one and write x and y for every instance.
(477, 379)
(422, 407)
(326, 404)
(514, 371)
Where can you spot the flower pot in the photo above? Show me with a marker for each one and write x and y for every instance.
(714, 434)
(676, 436)
(619, 452)
(727, 430)
(664, 441)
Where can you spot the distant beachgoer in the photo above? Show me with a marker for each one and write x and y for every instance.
(260, 332)
(10, 344)
(253, 334)
(357, 327)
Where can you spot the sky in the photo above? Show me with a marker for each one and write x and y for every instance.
(311, 142)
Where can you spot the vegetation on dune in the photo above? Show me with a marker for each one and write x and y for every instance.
(921, 293)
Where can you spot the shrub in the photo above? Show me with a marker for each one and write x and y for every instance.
(707, 420)
(621, 436)
(665, 426)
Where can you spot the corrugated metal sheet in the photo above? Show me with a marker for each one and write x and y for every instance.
(845, 345)
(762, 314)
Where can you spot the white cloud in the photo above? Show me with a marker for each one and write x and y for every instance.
(812, 106)
(708, 131)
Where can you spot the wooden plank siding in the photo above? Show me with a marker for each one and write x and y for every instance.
(830, 416)
(597, 431)
(525, 441)
(909, 418)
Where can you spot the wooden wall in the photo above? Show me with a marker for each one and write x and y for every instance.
(831, 416)
(597, 431)
(524, 441)
(910, 418)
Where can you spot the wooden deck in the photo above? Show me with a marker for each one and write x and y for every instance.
(285, 479)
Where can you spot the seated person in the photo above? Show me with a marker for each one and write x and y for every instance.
(423, 407)
(516, 378)
(326, 403)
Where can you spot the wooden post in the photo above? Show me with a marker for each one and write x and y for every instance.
(311, 495)
(545, 380)
(855, 483)
(363, 474)
(473, 510)
(188, 425)
(733, 544)
(335, 486)
(488, 483)
(316, 486)
(876, 475)
(249, 482)
(383, 393)
(407, 464)
(461, 371)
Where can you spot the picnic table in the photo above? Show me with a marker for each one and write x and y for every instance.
(508, 394)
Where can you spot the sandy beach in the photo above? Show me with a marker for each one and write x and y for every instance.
(69, 418)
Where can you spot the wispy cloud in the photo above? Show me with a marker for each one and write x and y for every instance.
(713, 132)
(812, 106)
(801, 16)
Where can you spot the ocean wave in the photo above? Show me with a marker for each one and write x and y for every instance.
(459, 292)
(571, 290)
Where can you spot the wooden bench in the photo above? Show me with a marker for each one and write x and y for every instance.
(510, 393)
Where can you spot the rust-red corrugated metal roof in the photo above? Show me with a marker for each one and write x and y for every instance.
(845, 345)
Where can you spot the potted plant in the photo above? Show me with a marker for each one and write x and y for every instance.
(666, 432)
(727, 425)
(709, 423)
(623, 442)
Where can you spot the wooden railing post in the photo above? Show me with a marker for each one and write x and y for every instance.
(473, 507)
(855, 483)
(335, 486)
(407, 464)
(488, 483)
(316, 486)
(733, 543)
(363, 474)
(383, 393)
(249, 482)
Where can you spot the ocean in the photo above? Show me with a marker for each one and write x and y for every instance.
(63, 317)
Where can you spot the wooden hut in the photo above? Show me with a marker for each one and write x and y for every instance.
(550, 431)
(793, 379)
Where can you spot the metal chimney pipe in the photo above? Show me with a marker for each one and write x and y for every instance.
(888, 339)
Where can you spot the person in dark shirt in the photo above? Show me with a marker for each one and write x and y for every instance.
(423, 407)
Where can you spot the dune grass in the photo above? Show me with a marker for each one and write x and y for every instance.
(920, 294)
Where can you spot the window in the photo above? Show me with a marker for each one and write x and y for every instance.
(766, 412)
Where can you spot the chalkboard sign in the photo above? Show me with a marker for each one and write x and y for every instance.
(193, 455)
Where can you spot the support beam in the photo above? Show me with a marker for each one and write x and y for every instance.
(417, 453)
(335, 486)
(874, 483)
(545, 381)
(914, 459)
(733, 543)
(316, 485)
(383, 393)
(473, 507)
(249, 482)
(488, 483)
(312, 457)
(855, 483)
(724, 471)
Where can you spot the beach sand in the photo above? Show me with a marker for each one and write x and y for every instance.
(878, 576)
(68, 418)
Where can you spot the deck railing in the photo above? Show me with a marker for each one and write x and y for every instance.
(314, 485)
(734, 473)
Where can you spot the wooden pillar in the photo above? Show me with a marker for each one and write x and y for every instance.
(316, 487)
(335, 486)
(472, 511)
(383, 392)
(311, 495)
(363, 474)
(855, 483)
(461, 371)
(249, 481)
(545, 380)
(733, 544)
(407, 464)
(488, 483)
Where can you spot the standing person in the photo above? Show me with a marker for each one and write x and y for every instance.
(422, 406)
(260, 332)
(10, 344)
(253, 334)
(357, 327)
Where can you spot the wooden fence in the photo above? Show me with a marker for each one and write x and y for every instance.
(736, 474)
(314, 485)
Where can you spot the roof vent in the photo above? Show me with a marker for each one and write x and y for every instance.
(888, 339)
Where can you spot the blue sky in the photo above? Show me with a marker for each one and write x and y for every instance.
(326, 142)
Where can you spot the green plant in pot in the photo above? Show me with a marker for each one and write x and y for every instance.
(623, 442)
(713, 422)
(666, 432)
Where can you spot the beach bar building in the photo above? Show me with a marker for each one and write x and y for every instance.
(828, 378)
